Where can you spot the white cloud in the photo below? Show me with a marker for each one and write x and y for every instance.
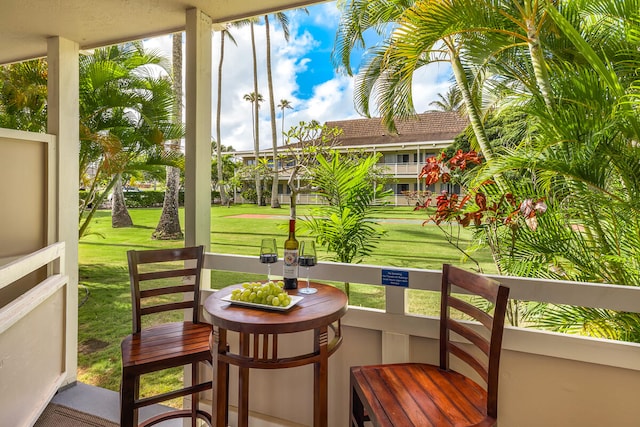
(428, 82)
(324, 13)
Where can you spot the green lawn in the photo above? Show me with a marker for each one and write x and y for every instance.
(105, 310)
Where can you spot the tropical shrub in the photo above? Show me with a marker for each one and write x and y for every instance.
(569, 73)
(346, 224)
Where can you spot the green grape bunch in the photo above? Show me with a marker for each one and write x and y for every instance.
(270, 293)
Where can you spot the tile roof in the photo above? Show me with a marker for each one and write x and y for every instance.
(430, 126)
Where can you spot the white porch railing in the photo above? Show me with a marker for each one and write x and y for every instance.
(547, 378)
(33, 320)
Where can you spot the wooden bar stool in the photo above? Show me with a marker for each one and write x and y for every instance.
(422, 395)
(162, 281)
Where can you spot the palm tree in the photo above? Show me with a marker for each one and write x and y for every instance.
(144, 141)
(221, 184)
(577, 152)
(384, 69)
(587, 169)
(124, 113)
(450, 101)
(228, 167)
(120, 216)
(168, 227)
(345, 223)
(23, 96)
(559, 62)
(284, 104)
(256, 106)
(255, 101)
(284, 22)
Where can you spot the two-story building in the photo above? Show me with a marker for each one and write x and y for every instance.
(403, 154)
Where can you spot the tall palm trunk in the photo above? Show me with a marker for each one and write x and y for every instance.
(223, 193)
(282, 127)
(472, 109)
(169, 225)
(256, 119)
(84, 223)
(119, 214)
(540, 68)
(275, 203)
(529, 15)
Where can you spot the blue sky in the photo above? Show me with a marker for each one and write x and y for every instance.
(302, 73)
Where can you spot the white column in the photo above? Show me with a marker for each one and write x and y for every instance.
(63, 121)
(198, 133)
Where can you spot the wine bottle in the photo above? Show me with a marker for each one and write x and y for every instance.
(291, 258)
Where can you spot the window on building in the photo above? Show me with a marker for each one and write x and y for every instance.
(401, 187)
(451, 188)
(402, 158)
(284, 189)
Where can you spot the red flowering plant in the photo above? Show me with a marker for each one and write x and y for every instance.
(495, 214)
(483, 206)
(449, 207)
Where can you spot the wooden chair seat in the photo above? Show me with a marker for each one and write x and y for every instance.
(165, 346)
(416, 394)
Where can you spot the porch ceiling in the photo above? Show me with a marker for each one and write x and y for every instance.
(25, 25)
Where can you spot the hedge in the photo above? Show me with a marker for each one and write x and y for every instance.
(151, 198)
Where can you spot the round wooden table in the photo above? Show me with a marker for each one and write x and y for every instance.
(261, 327)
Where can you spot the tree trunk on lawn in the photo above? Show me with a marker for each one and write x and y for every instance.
(256, 118)
(169, 225)
(221, 183)
(119, 214)
(275, 202)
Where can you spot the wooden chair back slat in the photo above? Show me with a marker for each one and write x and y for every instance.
(167, 255)
(478, 366)
(472, 311)
(473, 283)
(476, 339)
(167, 274)
(161, 308)
(149, 293)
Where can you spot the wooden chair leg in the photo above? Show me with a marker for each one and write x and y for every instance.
(357, 410)
(195, 378)
(136, 396)
(128, 394)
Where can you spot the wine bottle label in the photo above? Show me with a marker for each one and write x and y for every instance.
(290, 263)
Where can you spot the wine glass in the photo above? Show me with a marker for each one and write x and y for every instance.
(307, 258)
(268, 254)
